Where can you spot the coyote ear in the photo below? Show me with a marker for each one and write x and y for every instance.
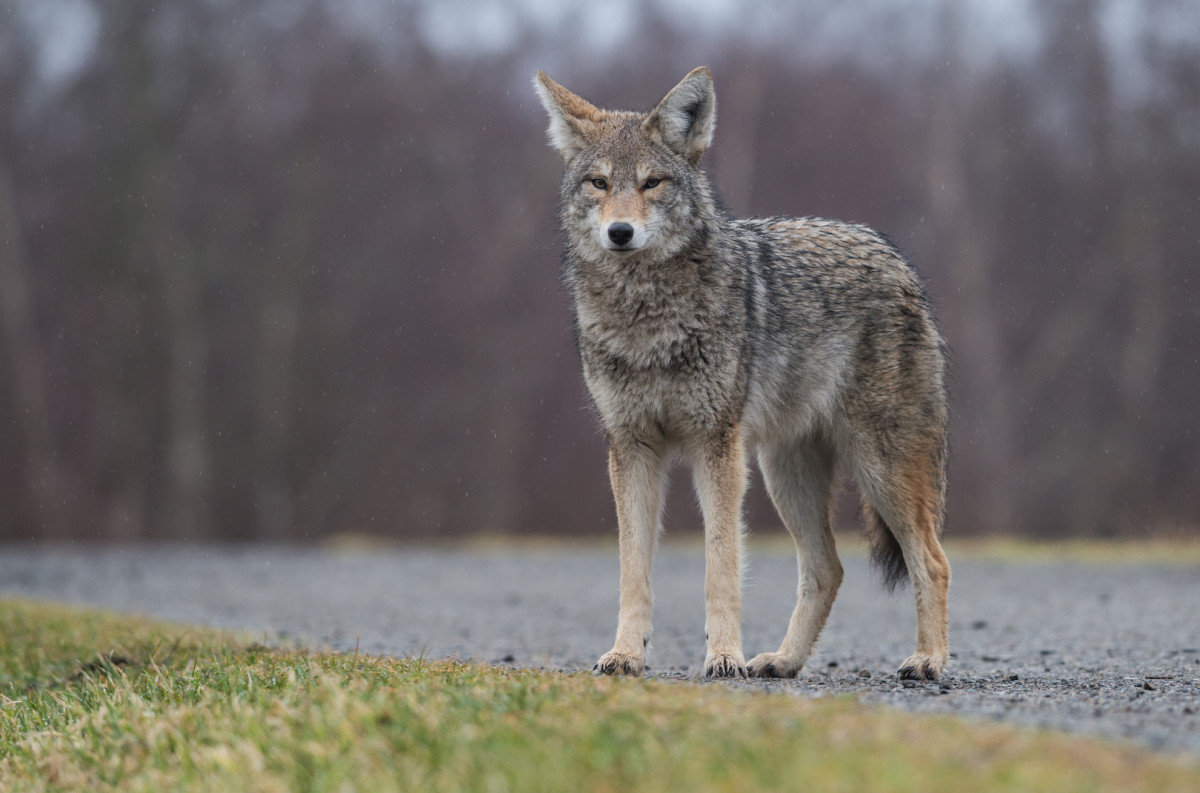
(572, 118)
(687, 116)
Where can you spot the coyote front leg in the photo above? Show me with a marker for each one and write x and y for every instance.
(637, 473)
(720, 473)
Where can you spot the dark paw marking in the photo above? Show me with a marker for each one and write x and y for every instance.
(724, 668)
(919, 672)
(616, 668)
(771, 670)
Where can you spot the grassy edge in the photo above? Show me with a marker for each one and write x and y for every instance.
(199, 709)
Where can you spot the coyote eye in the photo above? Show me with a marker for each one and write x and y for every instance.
(651, 184)
(599, 184)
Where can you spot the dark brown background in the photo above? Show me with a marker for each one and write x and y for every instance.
(285, 270)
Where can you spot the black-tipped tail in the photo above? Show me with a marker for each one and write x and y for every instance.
(886, 553)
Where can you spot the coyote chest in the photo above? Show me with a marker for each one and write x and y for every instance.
(659, 356)
(646, 327)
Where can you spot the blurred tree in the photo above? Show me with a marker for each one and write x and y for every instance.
(963, 212)
(40, 503)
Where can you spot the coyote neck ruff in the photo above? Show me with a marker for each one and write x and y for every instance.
(806, 342)
(661, 340)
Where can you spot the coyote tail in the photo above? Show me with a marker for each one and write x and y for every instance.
(886, 554)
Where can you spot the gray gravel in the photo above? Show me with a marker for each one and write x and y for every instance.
(1107, 650)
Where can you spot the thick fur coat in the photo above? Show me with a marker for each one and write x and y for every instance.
(807, 343)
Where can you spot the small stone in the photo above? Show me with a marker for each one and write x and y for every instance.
(832, 664)
(1148, 687)
(864, 672)
(1013, 677)
(979, 625)
(508, 659)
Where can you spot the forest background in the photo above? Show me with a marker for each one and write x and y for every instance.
(286, 269)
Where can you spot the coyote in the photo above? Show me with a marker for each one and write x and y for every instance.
(806, 342)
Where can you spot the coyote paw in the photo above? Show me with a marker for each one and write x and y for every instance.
(922, 667)
(618, 663)
(718, 665)
(774, 665)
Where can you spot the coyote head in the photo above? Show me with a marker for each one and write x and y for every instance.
(633, 186)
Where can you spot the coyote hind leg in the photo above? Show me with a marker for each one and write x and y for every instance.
(799, 479)
(908, 503)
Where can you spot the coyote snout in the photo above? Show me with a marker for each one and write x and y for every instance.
(620, 235)
(806, 344)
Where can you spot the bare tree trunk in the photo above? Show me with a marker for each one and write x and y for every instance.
(189, 463)
(962, 225)
(275, 400)
(1143, 353)
(275, 387)
(44, 479)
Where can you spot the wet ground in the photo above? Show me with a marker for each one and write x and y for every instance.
(1112, 650)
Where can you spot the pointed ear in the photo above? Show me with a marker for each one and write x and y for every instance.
(687, 116)
(572, 118)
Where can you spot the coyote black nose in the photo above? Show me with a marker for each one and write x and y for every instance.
(620, 233)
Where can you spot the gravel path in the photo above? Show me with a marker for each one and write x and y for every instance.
(1108, 650)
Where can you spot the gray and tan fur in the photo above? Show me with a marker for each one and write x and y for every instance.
(807, 343)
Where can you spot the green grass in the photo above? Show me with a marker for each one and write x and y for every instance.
(98, 702)
(1182, 551)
